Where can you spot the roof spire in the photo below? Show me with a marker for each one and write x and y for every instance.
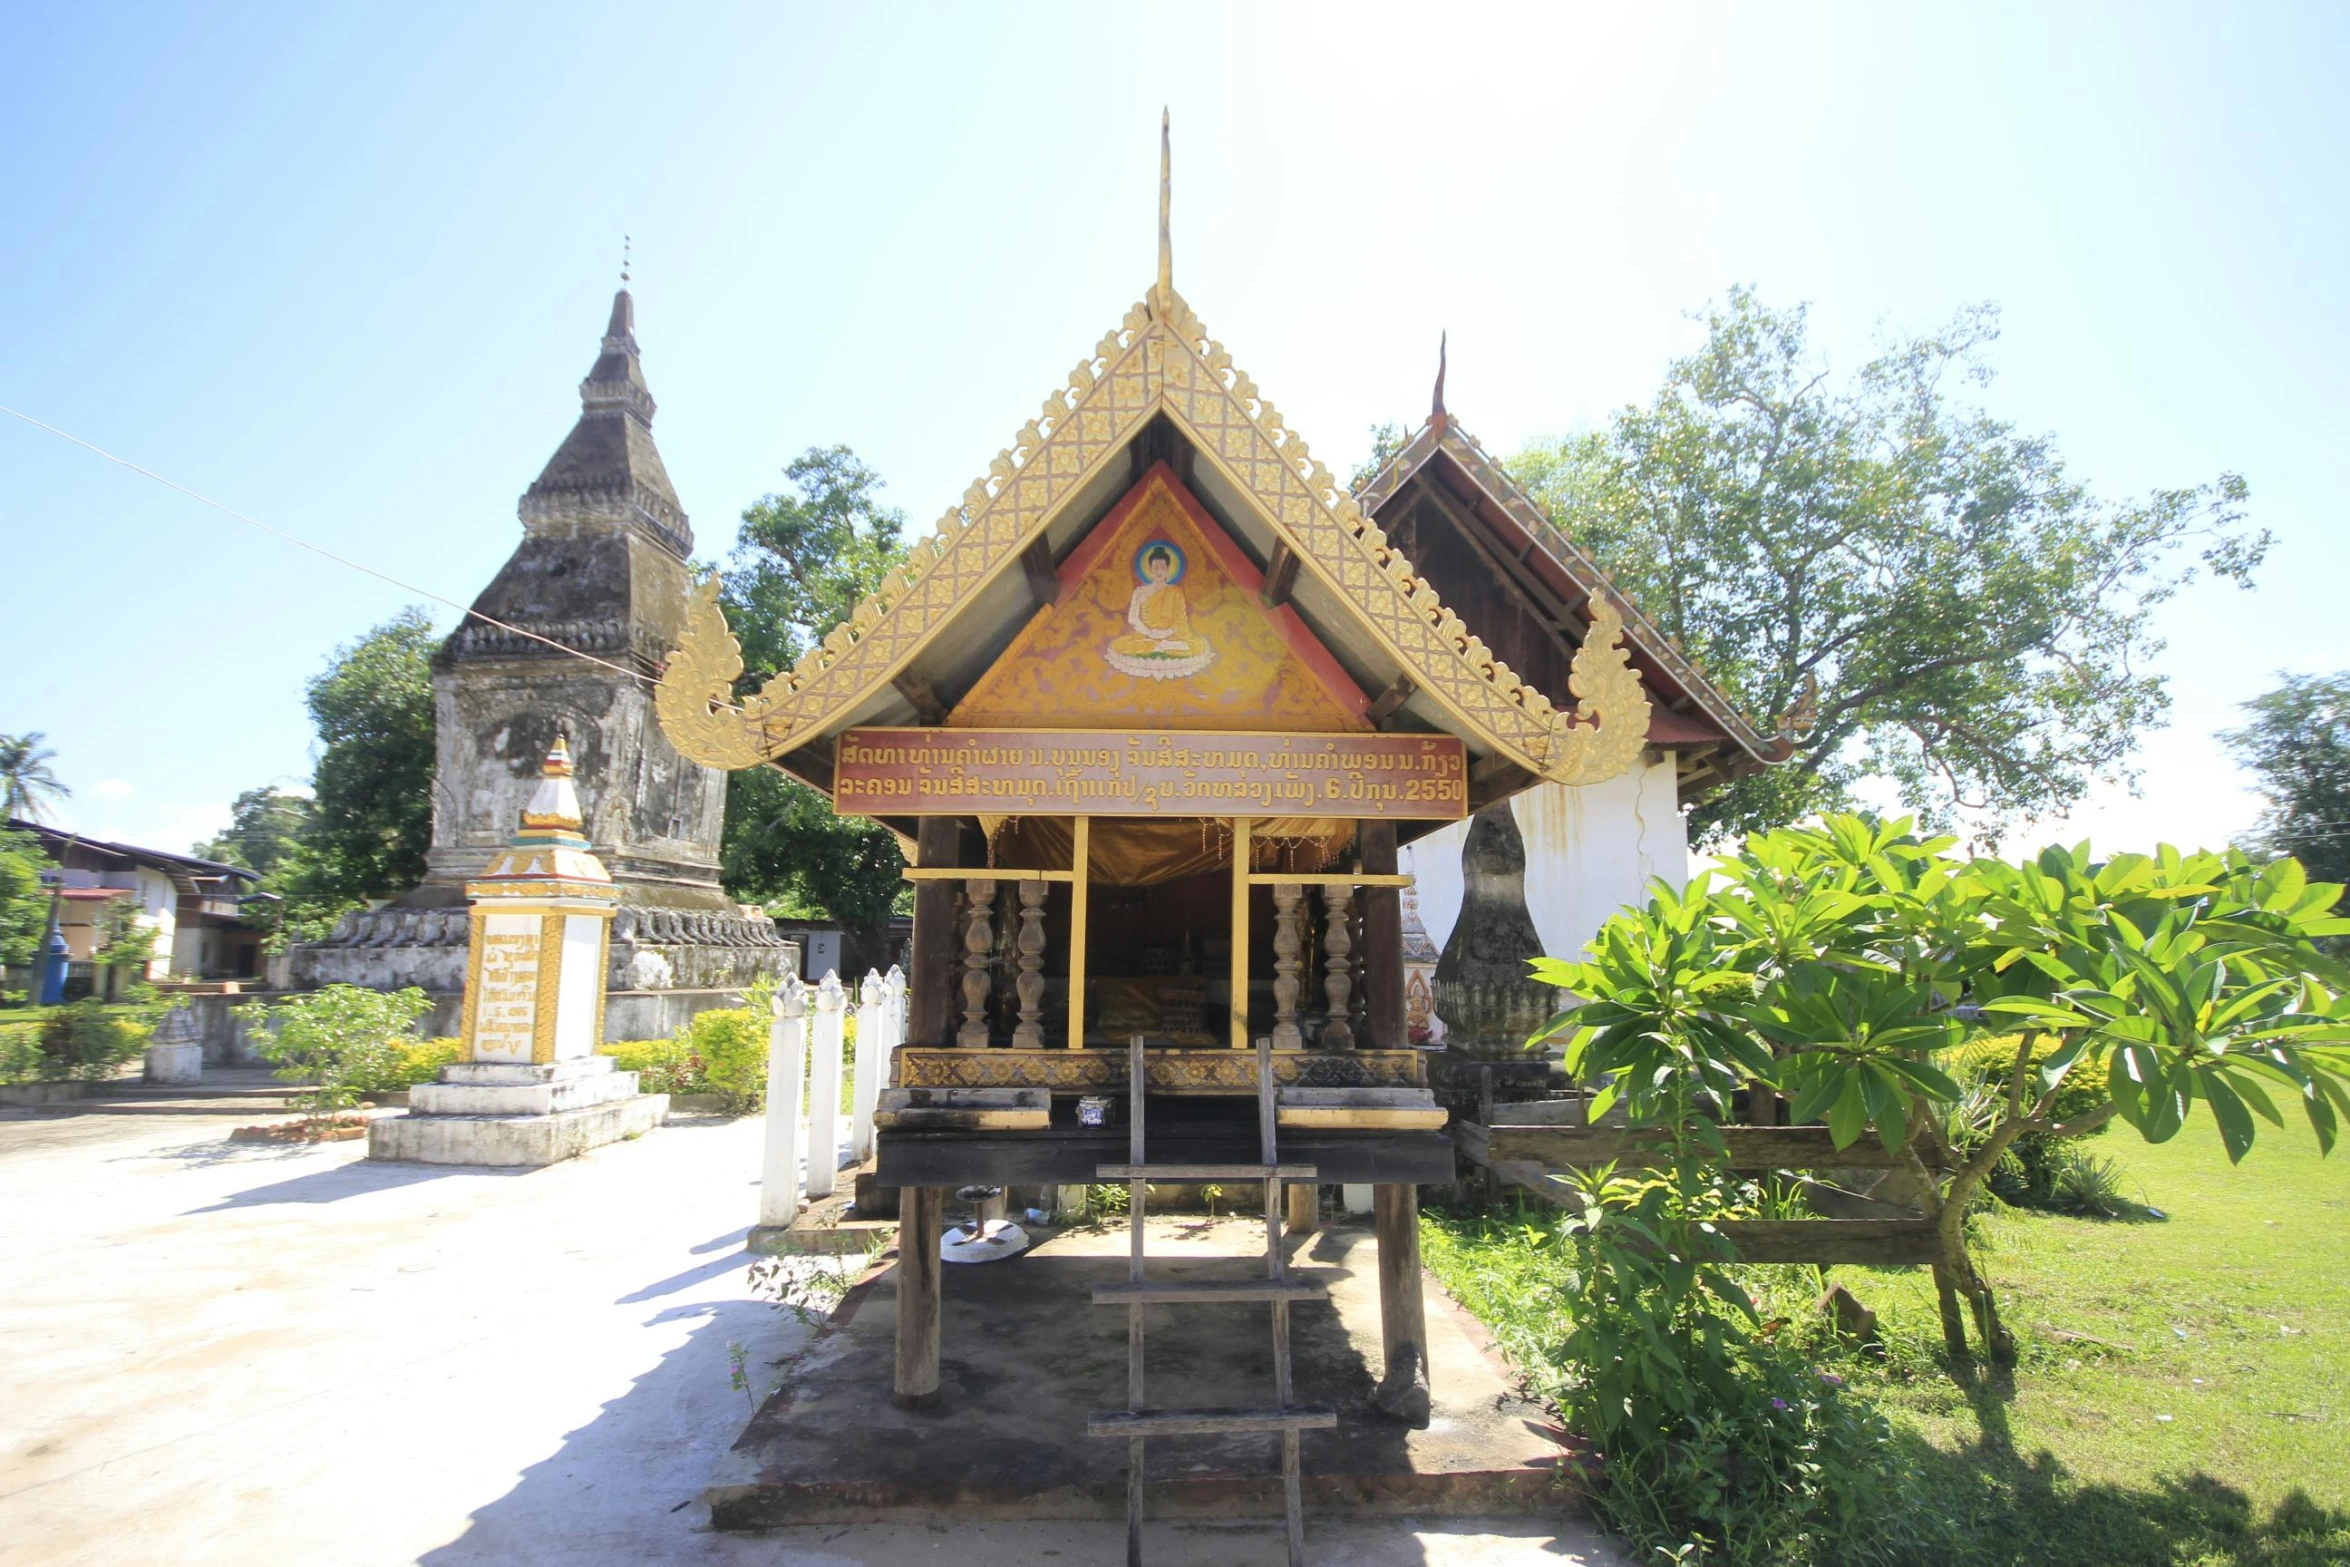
(624, 261)
(1436, 403)
(1165, 288)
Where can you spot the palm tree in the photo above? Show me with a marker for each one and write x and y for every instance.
(26, 783)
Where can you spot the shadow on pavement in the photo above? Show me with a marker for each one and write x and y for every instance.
(354, 1179)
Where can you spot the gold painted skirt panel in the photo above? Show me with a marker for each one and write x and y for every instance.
(1179, 1071)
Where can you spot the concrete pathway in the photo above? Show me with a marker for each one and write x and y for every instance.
(236, 1353)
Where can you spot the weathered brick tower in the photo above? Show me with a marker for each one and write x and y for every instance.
(602, 571)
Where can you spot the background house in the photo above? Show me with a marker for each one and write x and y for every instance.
(195, 907)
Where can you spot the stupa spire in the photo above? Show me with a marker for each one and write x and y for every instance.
(608, 464)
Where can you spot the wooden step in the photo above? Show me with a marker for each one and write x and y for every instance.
(1204, 1172)
(1207, 1292)
(1210, 1422)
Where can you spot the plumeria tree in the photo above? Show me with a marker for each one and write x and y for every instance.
(1845, 964)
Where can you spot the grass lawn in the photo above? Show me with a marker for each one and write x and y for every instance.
(2205, 1416)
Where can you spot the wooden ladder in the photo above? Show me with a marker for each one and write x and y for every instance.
(1276, 1289)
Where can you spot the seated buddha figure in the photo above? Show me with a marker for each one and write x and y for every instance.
(1159, 643)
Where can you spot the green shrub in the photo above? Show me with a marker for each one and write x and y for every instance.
(89, 1040)
(338, 1038)
(731, 1044)
(663, 1066)
(21, 1056)
(1719, 1443)
(407, 1063)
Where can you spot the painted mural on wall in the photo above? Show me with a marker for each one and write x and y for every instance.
(1158, 625)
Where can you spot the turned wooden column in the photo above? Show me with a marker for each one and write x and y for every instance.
(938, 946)
(1403, 1319)
(1288, 959)
(1338, 972)
(919, 1210)
(1383, 977)
(978, 952)
(1028, 1034)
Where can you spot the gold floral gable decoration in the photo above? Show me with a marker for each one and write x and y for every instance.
(1159, 358)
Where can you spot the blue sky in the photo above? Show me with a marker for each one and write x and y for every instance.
(342, 268)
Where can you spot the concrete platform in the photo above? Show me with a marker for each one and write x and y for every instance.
(1026, 1356)
(513, 1140)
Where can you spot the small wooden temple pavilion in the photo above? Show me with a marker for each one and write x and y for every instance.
(1155, 705)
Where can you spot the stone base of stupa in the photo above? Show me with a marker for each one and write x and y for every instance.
(494, 1113)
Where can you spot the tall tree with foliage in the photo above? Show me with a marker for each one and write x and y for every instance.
(1975, 621)
(372, 818)
(2298, 748)
(264, 834)
(27, 783)
(24, 902)
(801, 563)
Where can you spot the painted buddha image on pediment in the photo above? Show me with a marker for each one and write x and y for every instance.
(1158, 624)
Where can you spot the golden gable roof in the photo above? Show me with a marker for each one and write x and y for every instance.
(1159, 360)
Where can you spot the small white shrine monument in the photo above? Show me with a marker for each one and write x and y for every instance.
(529, 1088)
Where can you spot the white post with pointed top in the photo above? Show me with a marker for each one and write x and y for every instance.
(787, 1055)
(824, 1087)
(872, 1050)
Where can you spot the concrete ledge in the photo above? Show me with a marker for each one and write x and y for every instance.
(43, 1093)
(503, 1074)
(520, 1140)
(507, 1099)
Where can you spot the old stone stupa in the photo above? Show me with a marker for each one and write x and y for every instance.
(601, 571)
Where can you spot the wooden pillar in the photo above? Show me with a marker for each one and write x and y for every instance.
(1288, 949)
(1240, 870)
(1403, 1320)
(1305, 1207)
(919, 1211)
(938, 945)
(1081, 870)
(1382, 940)
(978, 961)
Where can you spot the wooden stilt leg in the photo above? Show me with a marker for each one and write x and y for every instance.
(1403, 1321)
(1304, 1207)
(919, 1211)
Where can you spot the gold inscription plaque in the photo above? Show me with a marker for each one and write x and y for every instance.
(1063, 772)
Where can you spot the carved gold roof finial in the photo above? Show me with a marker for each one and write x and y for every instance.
(1436, 413)
(1164, 289)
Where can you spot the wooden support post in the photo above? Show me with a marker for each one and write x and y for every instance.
(1383, 976)
(1403, 1320)
(919, 1211)
(1080, 867)
(1240, 869)
(938, 945)
(1305, 1207)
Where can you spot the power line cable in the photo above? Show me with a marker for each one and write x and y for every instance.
(319, 549)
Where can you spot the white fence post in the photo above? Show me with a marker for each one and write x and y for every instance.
(872, 1047)
(824, 1088)
(896, 981)
(787, 1053)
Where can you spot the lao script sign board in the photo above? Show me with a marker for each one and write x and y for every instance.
(1093, 772)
